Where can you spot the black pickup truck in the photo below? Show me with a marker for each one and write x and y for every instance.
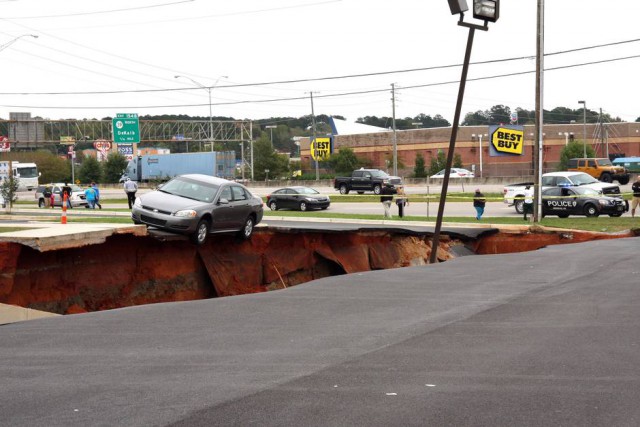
(362, 180)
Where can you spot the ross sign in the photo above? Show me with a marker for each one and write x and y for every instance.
(126, 128)
(321, 148)
(126, 150)
(506, 140)
(67, 140)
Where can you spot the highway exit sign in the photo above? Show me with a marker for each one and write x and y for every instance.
(126, 128)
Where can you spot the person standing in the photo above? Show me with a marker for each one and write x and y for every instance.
(66, 189)
(46, 195)
(478, 203)
(386, 197)
(90, 196)
(97, 190)
(130, 187)
(527, 207)
(635, 202)
(401, 201)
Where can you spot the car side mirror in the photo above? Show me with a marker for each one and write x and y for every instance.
(223, 201)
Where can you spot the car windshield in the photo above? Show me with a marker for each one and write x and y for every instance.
(190, 189)
(379, 174)
(586, 191)
(306, 190)
(604, 162)
(76, 187)
(582, 179)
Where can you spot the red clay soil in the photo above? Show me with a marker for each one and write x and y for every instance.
(131, 270)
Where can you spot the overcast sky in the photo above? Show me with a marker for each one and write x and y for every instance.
(84, 47)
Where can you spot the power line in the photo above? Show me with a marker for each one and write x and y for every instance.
(260, 101)
(348, 76)
(100, 12)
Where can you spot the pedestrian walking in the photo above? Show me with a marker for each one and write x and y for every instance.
(635, 202)
(401, 201)
(386, 197)
(478, 203)
(90, 197)
(130, 187)
(97, 190)
(527, 206)
(66, 189)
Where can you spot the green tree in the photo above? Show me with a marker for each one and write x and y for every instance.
(344, 161)
(266, 158)
(114, 166)
(419, 170)
(90, 170)
(53, 168)
(9, 191)
(437, 163)
(457, 161)
(572, 150)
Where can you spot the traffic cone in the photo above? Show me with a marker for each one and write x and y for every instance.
(63, 219)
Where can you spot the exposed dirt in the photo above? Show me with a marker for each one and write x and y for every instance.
(131, 270)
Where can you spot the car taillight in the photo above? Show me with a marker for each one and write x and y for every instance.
(504, 191)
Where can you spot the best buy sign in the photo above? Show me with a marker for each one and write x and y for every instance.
(507, 140)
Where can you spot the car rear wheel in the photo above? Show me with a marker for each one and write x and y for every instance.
(303, 206)
(519, 205)
(377, 189)
(590, 211)
(344, 189)
(606, 178)
(247, 229)
(273, 206)
(202, 230)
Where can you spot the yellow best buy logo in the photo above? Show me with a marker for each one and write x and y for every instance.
(506, 140)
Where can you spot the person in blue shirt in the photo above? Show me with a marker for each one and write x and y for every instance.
(90, 195)
(95, 187)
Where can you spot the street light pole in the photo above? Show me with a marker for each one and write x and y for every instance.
(271, 128)
(10, 42)
(208, 89)
(584, 128)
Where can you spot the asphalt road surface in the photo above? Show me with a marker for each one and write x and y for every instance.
(543, 338)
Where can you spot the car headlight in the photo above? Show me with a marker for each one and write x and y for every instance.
(188, 213)
(604, 202)
(137, 202)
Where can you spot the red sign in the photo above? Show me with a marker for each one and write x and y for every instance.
(5, 145)
(102, 145)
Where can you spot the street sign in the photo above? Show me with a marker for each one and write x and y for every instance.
(67, 140)
(126, 128)
(506, 140)
(321, 149)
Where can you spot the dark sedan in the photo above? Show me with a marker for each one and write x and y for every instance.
(302, 198)
(197, 205)
(565, 201)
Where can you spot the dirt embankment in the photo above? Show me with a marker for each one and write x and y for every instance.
(130, 270)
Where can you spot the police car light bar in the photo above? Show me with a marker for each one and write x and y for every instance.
(487, 10)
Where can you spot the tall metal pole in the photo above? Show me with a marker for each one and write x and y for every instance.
(251, 141)
(480, 138)
(584, 130)
(539, 121)
(313, 126)
(210, 123)
(395, 141)
(452, 145)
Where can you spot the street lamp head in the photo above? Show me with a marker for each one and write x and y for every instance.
(582, 102)
(458, 6)
(487, 10)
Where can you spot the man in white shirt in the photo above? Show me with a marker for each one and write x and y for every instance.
(130, 187)
(527, 207)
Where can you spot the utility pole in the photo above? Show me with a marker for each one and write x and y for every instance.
(313, 126)
(395, 141)
(539, 120)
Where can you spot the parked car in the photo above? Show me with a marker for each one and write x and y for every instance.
(565, 201)
(455, 173)
(600, 168)
(514, 193)
(362, 180)
(302, 198)
(197, 205)
(78, 198)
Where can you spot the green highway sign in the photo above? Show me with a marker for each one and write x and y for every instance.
(126, 128)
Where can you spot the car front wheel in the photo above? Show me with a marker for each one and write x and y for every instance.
(202, 230)
(590, 211)
(41, 203)
(247, 229)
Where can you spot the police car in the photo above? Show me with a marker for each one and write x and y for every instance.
(565, 201)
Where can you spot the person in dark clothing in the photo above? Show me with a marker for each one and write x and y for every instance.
(401, 201)
(386, 197)
(478, 203)
(66, 189)
(635, 202)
